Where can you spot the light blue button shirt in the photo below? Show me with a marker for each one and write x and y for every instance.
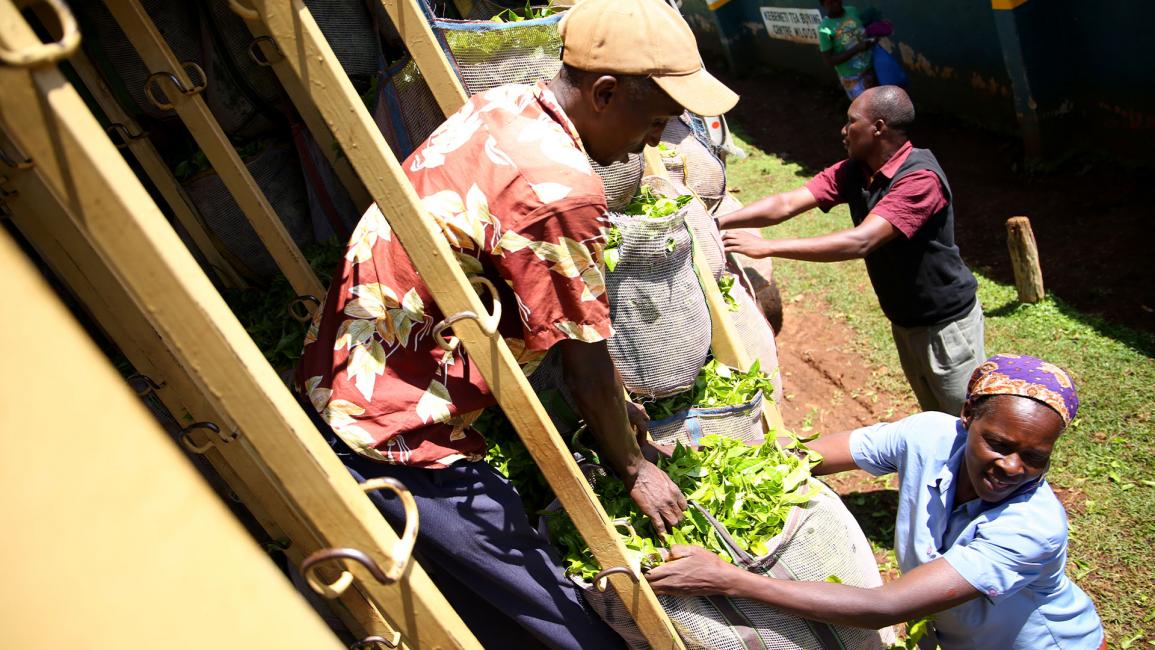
(1014, 552)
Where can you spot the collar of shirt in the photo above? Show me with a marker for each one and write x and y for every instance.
(893, 163)
(552, 106)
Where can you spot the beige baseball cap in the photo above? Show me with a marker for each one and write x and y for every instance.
(645, 38)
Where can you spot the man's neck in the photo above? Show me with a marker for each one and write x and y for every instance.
(876, 160)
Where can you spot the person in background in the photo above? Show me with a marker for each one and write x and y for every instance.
(844, 46)
(980, 537)
(508, 182)
(903, 214)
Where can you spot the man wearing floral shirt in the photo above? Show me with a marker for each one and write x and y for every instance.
(508, 181)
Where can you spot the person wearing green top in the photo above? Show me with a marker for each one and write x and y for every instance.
(844, 45)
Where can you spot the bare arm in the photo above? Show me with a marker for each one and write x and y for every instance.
(833, 59)
(835, 451)
(854, 243)
(930, 588)
(592, 379)
(771, 210)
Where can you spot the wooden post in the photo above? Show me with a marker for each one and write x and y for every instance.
(106, 202)
(1025, 259)
(410, 21)
(305, 47)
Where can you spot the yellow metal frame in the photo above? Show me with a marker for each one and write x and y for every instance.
(195, 113)
(410, 21)
(108, 208)
(105, 514)
(137, 142)
(305, 48)
(38, 214)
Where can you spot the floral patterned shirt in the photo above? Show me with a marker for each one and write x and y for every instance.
(509, 184)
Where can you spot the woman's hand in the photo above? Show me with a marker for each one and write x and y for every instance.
(693, 571)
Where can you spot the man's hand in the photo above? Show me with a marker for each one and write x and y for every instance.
(692, 571)
(639, 419)
(657, 496)
(745, 243)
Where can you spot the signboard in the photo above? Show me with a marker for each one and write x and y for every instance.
(790, 24)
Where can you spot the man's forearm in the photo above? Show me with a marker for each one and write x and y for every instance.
(835, 247)
(768, 211)
(593, 381)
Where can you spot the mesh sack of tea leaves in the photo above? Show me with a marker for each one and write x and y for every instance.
(722, 402)
(702, 226)
(658, 310)
(703, 172)
(755, 506)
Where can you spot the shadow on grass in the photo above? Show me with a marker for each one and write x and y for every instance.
(1141, 342)
(875, 512)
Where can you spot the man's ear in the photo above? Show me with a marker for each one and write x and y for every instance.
(879, 126)
(602, 91)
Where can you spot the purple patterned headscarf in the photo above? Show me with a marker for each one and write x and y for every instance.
(1012, 374)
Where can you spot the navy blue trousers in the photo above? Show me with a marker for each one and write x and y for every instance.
(477, 545)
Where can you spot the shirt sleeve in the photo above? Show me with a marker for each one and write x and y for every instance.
(552, 261)
(878, 448)
(825, 38)
(911, 201)
(826, 186)
(1006, 554)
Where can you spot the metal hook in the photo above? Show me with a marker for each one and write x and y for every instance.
(126, 136)
(302, 316)
(263, 60)
(400, 554)
(142, 384)
(600, 580)
(210, 426)
(488, 323)
(402, 551)
(247, 13)
(44, 53)
(335, 589)
(375, 640)
(149, 84)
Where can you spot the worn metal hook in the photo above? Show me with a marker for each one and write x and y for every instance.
(248, 13)
(142, 384)
(126, 136)
(375, 640)
(338, 587)
(262, 59)
(209, 426)
(44, 53)
(601, 582)
(487, 323)
(189, 66)
(297, 304)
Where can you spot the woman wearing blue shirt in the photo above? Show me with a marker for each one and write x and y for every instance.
(980, 537)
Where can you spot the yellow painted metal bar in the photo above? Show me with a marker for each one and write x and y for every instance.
(52, 231)
(199, 120)
(108, 204)
(106, 514)
(431, 60)
(299, 38)
(312, 119)
(137, 142)
(1006, 5)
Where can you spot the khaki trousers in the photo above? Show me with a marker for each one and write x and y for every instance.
(938, 360)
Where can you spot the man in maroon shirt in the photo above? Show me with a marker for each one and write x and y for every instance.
(901, 206)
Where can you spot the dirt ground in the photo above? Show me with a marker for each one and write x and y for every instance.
(1085, 211)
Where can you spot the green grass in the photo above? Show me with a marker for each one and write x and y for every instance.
(1106, 456)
